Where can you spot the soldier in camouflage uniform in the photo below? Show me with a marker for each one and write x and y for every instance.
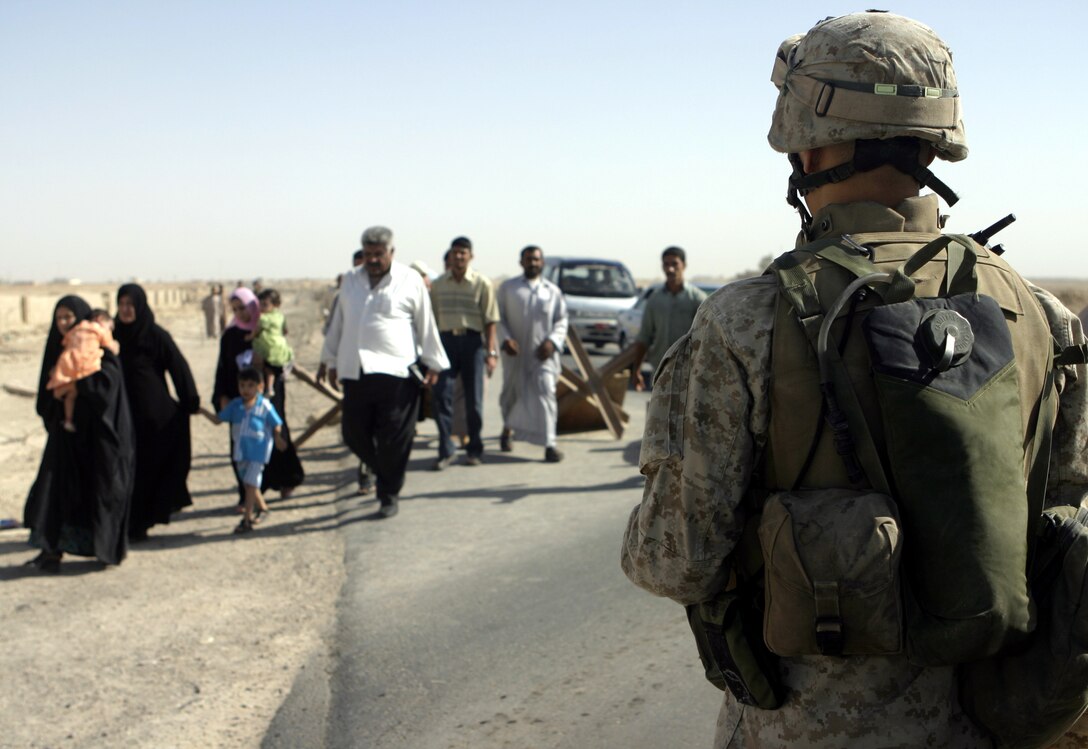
(710, 419)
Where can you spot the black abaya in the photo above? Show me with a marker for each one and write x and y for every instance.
(284, 469)
(163, 442)
(80, 499)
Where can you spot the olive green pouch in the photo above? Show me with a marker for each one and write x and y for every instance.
(727, 633)
(831, 579)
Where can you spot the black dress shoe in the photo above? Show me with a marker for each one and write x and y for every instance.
(388, 508)
(504, 442)
(551, 455)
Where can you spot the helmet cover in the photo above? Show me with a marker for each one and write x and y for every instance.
(871, 75)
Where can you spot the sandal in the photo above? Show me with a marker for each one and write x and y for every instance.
(243, 527)
(259, 515)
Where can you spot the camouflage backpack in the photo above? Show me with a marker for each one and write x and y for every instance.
(908, 531)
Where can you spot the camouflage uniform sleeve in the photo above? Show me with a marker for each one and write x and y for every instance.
(1068, 478)
(705, 426)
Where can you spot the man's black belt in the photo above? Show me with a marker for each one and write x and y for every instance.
(461, 331)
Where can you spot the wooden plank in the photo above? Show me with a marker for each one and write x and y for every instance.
(305, 375)
(620, 361)
(324, 419)
(609, 410)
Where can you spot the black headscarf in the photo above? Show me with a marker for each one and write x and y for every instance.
(54, 344)
(138, 335)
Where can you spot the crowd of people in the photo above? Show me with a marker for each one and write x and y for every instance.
(394, 332)
(118, 452)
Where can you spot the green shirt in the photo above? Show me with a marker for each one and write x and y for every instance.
(667, 317)
(466, 304)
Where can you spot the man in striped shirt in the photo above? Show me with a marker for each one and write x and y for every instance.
(466, 311)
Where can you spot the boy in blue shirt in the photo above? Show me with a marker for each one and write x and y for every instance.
(254, 426)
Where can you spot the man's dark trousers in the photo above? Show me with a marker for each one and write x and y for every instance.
(378, 423)
(466, 355)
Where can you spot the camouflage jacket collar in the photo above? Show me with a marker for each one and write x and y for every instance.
(919, 214)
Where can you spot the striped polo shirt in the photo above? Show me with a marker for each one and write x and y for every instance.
(467, 304)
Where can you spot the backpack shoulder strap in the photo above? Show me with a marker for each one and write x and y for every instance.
(860, 456)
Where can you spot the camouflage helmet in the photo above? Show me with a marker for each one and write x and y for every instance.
(871, 75)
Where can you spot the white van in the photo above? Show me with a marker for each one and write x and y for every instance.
(596, 292)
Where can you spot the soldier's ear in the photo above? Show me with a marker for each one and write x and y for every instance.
(810, 160)
(825, 157)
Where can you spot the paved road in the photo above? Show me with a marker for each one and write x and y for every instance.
(492, 612)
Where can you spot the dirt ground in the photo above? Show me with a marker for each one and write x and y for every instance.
(195, 640)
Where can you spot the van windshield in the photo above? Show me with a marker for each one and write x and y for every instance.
(596, 279)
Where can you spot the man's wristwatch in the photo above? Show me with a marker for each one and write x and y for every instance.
(493, 352)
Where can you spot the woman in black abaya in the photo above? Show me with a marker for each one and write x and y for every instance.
(79, 502)
(284, 470)
(163, 445)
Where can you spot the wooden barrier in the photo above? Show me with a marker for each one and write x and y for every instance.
(326, 418)
(588, 400)
(594, 399)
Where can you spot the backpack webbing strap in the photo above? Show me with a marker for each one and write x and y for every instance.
(960, 274)
(1077, 354)
(797, 288)
(1039, 471)
(795, 284)
(841, 390)
(830, 637)
(850, 260)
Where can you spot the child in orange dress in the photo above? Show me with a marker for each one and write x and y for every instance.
(82, 357)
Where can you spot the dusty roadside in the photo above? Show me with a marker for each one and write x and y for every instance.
(196, 639)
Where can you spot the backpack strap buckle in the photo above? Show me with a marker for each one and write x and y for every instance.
(830, 637)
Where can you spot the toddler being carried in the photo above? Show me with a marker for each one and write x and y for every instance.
(81, 357)
(271, 352)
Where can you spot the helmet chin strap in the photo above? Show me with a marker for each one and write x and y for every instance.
(902, 153)
(793, 194)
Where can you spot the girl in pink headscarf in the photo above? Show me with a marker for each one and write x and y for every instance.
(284, 471)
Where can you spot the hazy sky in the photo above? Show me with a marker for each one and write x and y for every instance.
(197, 139)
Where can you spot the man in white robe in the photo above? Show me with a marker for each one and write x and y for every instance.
(532, 328)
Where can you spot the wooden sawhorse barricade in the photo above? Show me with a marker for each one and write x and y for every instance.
(586, 397)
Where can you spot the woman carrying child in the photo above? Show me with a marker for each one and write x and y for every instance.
(82, 357)
(284, 471)
(163, 443)
(80, 499)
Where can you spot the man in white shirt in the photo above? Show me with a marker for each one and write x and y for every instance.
(381, 329)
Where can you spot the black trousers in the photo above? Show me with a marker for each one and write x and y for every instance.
(378, 422)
